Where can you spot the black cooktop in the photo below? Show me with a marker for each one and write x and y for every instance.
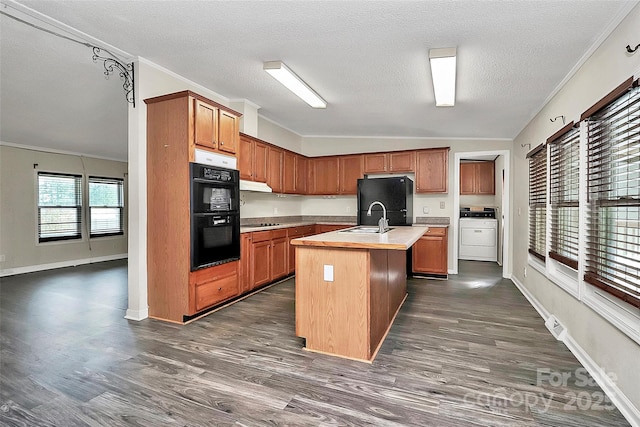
(485, 213)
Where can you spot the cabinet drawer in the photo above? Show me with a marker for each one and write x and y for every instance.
(294, 232)
(279, 233)
(436, 231)
(261, 236)
(210, 293)
(308, 230)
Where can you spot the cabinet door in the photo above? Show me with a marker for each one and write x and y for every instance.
(260, 270)
(246, 157)
(467, 178)
(279, 258)
(245, 262)
(289, 178)
(228, 132)
(375, 163)
(274, 169)
(206, 124)
(430, 252)
(260, 161)
(432, 171)
(350, 171)
(402, 162)
(302, 177)
(324, 175)
(485, 178)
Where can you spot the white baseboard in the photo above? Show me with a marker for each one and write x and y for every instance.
(137, 314)
(61, 264)
(622, 402)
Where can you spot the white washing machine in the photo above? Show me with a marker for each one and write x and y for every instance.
(478, 239)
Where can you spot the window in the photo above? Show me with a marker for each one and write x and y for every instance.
(59, 207)
(564, 183)
(538, 201)
(106, 207)
(613, 171)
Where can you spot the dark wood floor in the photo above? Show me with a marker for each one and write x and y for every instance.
(467, 351)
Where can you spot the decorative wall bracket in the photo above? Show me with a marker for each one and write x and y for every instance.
(112, 65)
(632, 50)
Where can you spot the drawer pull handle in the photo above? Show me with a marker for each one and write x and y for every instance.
(477, 231)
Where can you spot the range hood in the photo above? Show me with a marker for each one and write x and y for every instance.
(254, 186)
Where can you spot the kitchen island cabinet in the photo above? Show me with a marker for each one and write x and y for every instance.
(349, 288)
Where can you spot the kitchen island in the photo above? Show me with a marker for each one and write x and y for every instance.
(349, 289)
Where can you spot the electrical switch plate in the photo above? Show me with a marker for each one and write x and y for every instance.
(425, 209)
(441, 205)
(328, 273)
(2, 258)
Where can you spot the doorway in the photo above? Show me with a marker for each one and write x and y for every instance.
(500, 201)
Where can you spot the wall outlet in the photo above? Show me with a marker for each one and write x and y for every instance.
(441, 205)
(2, 258)
(425, 209)
(348, 209)
(275, 211)
(328, 273)
(525, 272)
(519, 211)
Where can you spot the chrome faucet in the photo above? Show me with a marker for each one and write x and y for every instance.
(383, 223)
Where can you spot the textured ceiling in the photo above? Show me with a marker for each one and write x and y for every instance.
(367, 59)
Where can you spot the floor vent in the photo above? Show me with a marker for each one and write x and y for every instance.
(556, 328)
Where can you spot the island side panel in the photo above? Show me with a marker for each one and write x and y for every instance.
(333, 316)
(379, 308)
(397, 280)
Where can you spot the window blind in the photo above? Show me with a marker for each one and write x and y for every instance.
(538, 201)
(613, 170)
(59, 207)
(564, 182)
(106, 206)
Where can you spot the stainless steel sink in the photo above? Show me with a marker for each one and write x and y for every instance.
(363, 229)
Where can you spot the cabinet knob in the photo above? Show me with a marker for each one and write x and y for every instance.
(221, 142)
(219, 289)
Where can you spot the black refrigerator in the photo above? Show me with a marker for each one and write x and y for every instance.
(395, 193)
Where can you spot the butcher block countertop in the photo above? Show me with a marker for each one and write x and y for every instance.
(398, 238)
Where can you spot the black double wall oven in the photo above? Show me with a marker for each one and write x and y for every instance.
(215, 215)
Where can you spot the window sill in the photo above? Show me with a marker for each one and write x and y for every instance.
(537, 264)
(623, 316)
(565, 277)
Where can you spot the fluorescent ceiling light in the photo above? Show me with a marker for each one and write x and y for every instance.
(443, 73)
(284, 75)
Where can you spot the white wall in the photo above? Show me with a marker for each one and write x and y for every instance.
(277, 135)
(19, 224)
(602, 342)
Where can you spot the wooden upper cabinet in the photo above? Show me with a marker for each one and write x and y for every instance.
(246, 157)
(432, 170)
(252, 159)
(274, 168)
(403, 161)
(375, 163)
(289, 173)
(302, 177)
(351, 169)
(323, 175)
(477, 178)
(467, 178)
(206, 124)
(228, 132)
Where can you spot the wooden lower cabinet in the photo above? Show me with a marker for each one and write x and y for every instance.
(260, 252)
(279, 254)
(245, 262)
(211, 286)
(430, 252)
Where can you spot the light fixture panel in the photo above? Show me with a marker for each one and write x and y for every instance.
(443, 75)
(279, 71)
